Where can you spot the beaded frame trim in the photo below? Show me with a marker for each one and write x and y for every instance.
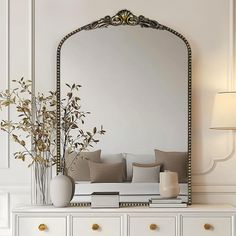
(125, 17)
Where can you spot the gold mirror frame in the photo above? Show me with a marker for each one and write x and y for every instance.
(124, 17)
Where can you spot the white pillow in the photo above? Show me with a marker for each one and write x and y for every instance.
(139, 158)
(146, 174)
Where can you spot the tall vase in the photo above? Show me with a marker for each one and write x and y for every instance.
(40, 183)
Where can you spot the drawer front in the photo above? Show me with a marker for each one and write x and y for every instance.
(207, 226)
(41, 226)
(150, 226)
(91, 226)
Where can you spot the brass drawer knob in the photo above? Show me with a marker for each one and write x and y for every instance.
(95, 227)
(152, 226)
(42, 227)
(208, 226)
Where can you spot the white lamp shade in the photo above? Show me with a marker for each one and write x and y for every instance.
(224, 111)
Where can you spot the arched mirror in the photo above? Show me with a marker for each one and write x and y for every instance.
(136, 81)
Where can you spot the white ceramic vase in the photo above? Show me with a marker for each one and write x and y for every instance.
(169, 186)
(61, 190)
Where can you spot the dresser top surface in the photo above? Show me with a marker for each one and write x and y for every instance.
(192, 208)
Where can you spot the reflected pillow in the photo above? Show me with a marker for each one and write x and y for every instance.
(138, 158)
(174, 161)
(106, 172)
(115, 158)
(77, 164)
(146, 173)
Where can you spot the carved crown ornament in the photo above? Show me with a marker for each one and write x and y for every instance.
(124, 17)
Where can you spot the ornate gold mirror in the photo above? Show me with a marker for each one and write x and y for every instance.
(136, 81)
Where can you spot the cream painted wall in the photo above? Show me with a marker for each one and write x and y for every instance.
(208, 25)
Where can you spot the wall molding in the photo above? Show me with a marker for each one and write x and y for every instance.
(230, 86)
(214, 198)
(5, 210)
(219, 189)
(8, 196)
(5, 76)
(15, 189)
(32, 33)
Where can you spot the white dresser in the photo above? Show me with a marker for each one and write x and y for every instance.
(196, 220)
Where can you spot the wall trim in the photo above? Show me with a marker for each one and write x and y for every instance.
(219, 189)
(15, 189)
(5, 160)
(7, 203)
(230, 86)
(215, 198)
(5, 210)
(32, 55)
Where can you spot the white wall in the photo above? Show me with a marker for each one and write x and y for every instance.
(208, 25)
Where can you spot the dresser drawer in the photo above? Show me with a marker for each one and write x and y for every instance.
(39, 226)
(161, 226)
(91, 226)
(207, 226)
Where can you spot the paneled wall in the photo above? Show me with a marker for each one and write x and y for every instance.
(15, 62)
(30, 31)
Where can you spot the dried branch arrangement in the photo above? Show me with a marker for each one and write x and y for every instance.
(35, 127)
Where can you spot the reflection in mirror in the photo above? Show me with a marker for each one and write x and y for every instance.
(135, 82)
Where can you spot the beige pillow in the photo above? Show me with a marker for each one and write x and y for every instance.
(115, 158)
(77, 164)
(174, 161)
(146, 173)
(146, 164)
(106, 172)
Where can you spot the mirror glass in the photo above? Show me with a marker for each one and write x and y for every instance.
(135, 83)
